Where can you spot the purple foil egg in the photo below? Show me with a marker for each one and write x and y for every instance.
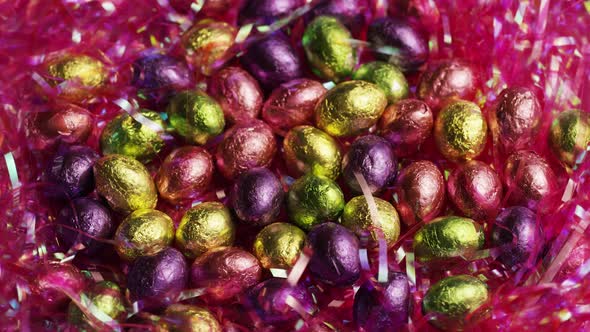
(383, 307)
(72, 170)
(225, 272)
(372, 157)
(272, 301)
(158, 71)
(335, 258)
(399, 42)
(519, 235)
(349, 12)
(267, 11)
(272, 61)
(237, 92)
(158, 280)
(85, 217)
(257, 196)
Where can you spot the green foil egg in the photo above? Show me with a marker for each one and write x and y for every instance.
(195, 116)
(387, 77)
(107, 302)
(448, 237)
(452, 299)
(313, 200)
(143, 232)
(125, 183)
(350, 108)
(127, 136)
(569, 135)
(308, 149)
(278, 245)
(357, 217)
(328, 47)
(205, 226)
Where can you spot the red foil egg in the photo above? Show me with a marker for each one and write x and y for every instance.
(54, 281)
(185, 173)
(449, 79)
(292, 104)
(225, 272)
(530, 181)
(406, 125)
(245, 146)
(71, 124)
(419, 194)
(476, 190)
(238, 93)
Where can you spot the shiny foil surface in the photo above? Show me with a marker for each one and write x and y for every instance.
(207, 42)
(406, 125)
(448, 80)
(144, 232)
(570, 135)
(278, 245)
(237, 92)
(387, 77)
(357, 217)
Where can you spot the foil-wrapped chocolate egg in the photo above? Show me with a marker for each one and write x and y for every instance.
(530, 181)
(208, 42)
(292, 104)
(77, 75)
(272, 61)
(69, 123)
(329, 49)
(448, 237)
(398, 41)
(72, 171)
(307, 149)
(570, 135)
(406, 125)
(53, 279)
(274, 301)
(452, 299)
(447, 80)
(257, 196)
(125, 183)
(143, 233)
(372, 158)
(387, 77)
(158, 279)
(460, 131)
(358, 218)
(313, 200)
(267, 11)
(136, 138)
(160, 71)
(517, 118)
(191, 318)
(349, 12)
(419, 193)
(107, 299)
(350, 108)
(519, 235)
(383, 306)
(225, 273)
(476, 190)
(205, 226)
(237, 92)
(86, 222)
(184, 174)
(245, 146)
(278, 245)
(335, 258)
(195, 116)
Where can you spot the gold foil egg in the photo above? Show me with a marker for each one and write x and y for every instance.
(278, 245)
(570, 135)
(207, 42)
(358, 218)
(195, 116)
(350, 108)
(104, 297)
(460, 131)
(77, 75)
(452, 299)
(127, 136)
(308, 149)
(205, 226)
(190, 318)
(125, 183)
(448, 237)
(143, 233)
(387, 77)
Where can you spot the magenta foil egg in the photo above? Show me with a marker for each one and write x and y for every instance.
(237, 92)
(447, 80)
(274, 301)
(476, 190)
(53, 279)
(292, 104)
(406, 125)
